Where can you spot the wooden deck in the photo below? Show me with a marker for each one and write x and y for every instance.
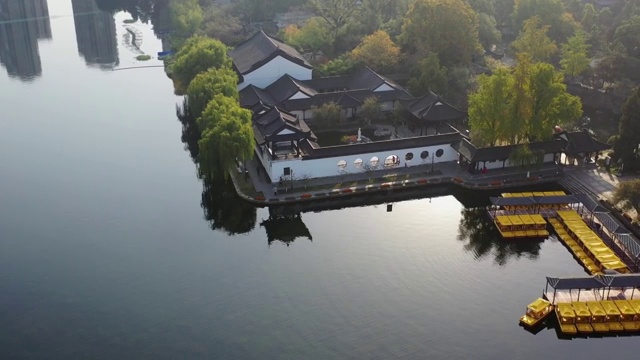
(569, 296)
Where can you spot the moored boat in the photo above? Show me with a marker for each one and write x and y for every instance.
(537, 311)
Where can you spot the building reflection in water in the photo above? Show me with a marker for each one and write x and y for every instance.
(22, 24)
(483, 239)
(285, 228)
(95, 34)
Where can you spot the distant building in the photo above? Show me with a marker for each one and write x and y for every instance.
(95, 34)
(22, 24)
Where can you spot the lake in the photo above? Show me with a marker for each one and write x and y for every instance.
(110, 248)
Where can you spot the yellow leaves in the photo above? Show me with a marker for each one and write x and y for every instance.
(377, 51)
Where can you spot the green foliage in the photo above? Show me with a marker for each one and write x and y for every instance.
(371, 110)
(533, 40)
(186, 17)
(327, 114)
(227, 135)
(618, 66)
(313, 36)
(487, 32)
(523, 156)
(208, 84)
(628, 195)
(628, 35)
(143, 57)
(520, 106)
(574, 55)
(377, 51)
(551, 13)
(489, 107)
(221, 23)
(341, 65)
(448, 28)
(627, 145)
(428, 76)
(336, 13)
(197, 55)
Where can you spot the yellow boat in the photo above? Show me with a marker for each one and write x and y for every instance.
(627, 315)
(566, 318)
(613, 315)
(583, 317)
(598, 317)
(635, 305)
(536, 312)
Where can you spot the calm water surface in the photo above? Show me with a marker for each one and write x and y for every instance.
(107, 253)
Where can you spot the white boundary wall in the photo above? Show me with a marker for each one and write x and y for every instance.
(316, 168)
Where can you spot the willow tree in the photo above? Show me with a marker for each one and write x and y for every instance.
(206, 85)
(198, 54)
(227, 135)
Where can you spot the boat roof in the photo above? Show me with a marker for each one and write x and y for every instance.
(581, 309)
(538, 305)
(624, 307)
(566, 310)
(595, 282)
(595, 308)
(610, 307)
(530, 200)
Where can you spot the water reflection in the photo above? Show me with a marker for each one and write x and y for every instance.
(222, 207)
(22, 24)
(95, 34)
(143, 10)
(483, 239)
(285, 228)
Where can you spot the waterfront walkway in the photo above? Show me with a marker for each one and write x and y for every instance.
(263, 191)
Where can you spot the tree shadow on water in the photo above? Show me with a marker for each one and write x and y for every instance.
(483, 239)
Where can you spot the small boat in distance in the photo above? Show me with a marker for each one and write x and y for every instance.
(536, 312)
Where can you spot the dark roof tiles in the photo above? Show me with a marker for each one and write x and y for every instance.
(260, 49)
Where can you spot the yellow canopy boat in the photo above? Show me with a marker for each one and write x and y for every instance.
(566, 318)
(613, 315)
(598, 317)
(536, 312)
(583, 317)
(627, 315)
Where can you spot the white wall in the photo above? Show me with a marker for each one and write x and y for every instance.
(384, 87)
(548, 158)
(299, 95)
(329, 166)
(272, 71)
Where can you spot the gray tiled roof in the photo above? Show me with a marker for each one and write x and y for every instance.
(260, 49)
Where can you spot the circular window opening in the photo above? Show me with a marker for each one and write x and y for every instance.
(374, 161)
(408, 157)
(439, 152)
(391, 161)
(342, 164)
(358, 163)
(424, 155)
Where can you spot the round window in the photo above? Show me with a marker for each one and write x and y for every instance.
(374, 161)
(342, 164)
(439, 152)
(358, 163)
(408, 157)
(424, 155)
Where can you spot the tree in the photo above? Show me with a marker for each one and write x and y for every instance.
(206, 85)
(552, 13)
(186, 17)
(629, 140)
(448, 28)
(428, 76)
(489, 107)
(227, 135)
(487, 32)
(336, 13)
(628, 34)
(377, 51)
(574, 55)
(327, 114)
(312, 36)
(534, 41)
(342, 65)
(371, 110)
(197, 55)
(220, 23)
(520, 106)
(628, 195)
